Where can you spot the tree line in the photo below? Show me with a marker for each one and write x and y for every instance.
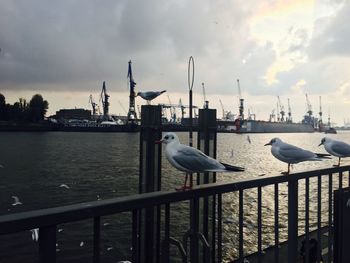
(22, 111)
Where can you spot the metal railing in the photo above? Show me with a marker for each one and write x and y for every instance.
(48, 219)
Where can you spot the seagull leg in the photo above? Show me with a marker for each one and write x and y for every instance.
(337, 165)
(184, 187)
(288, 170)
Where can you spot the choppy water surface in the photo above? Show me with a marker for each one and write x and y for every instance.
(34, 167)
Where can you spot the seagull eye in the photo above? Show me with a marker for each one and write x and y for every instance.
(172, 137)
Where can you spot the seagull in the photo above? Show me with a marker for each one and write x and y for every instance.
(16, 201)
(64, 186)
(336, 148)
(149, 95)
(291, 154)
(191, 160)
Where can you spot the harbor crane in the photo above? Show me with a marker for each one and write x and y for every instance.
(104, 99)
(121, 105)
(172, 111)
(241, 102)
(272, 116)
(320, 113)
(93, 104)
(206, 102)
(223, 110)
(289, 112)
(309, 107)
(132, 117)
(281, 109)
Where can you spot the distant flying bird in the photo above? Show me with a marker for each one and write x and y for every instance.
(81, 243)
(16, 201)
(291, 154)
(64, 186)
(336, 148)
(191, 160)
(149, 95)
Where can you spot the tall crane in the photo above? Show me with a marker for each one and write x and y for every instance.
(205, 105)
(182, 107)
(132, 117)
(172, 111)
(308, 104)
(281, 108)
(223, 110)
(320, 113)
(104, 99)
(241, 102)
(289, 112)
(93, 105)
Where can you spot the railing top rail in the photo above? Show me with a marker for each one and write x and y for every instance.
(63, 214)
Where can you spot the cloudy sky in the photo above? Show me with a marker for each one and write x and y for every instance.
(64, 50)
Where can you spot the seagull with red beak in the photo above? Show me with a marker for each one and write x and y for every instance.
(191, 160)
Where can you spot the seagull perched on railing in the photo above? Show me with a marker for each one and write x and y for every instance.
(336, 148)
(291, 154)
(191, 160)
(149, 95)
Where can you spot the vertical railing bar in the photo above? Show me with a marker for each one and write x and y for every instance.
(330, 224)
(158, 241)
(348, 178)
(307, 234)
(292, 220)
(194, 249)
(259, 226)
(47, 244)
(166, 251)
(276, 225)
(214, 229)
(240, 239)
(340, 180)
(97, 239)
(319, 214)
(219, 228)
(135, 233)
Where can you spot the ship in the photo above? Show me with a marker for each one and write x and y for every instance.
(259, 126)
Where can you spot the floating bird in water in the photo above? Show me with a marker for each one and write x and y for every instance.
(336, 148)
(149, 95)
(191, 160)
(35, 234)
(291, 154)
(81, 243)
(64, 186)
(16, 201)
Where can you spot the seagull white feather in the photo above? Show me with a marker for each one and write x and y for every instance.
(191, 160)
(291, 154)
(336, 148)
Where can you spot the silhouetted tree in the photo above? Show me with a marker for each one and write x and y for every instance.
(37, 108)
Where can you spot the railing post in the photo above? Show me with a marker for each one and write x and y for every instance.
(292, 221)
(150, 181)
(206, 142)
(47, 244)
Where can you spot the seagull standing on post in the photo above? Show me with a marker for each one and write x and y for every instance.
(336, 148)
(291, 154)
(191, 160)
(149, 95)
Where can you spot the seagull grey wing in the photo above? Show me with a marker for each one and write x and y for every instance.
(196, 161)
(295, 154)
(341, 148)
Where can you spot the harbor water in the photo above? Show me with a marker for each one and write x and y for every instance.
(56, 168)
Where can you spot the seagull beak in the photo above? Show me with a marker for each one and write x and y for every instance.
(158, 142)
(320, 144)
(267, 144)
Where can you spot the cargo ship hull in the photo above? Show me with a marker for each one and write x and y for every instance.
(253, 126)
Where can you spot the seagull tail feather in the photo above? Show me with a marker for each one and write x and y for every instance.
(230, 167)
(162, 91)
(323, 155)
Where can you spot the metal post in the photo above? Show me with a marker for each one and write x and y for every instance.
(150, 181)
(206, 142)
(47, 244)
(292, 221)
